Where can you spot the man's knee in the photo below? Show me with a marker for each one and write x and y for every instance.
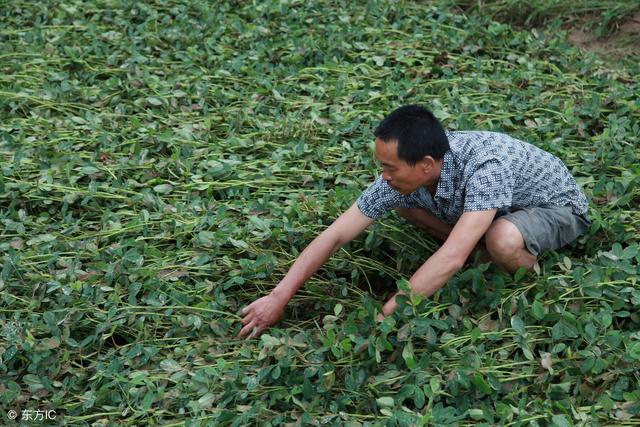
(503, 239)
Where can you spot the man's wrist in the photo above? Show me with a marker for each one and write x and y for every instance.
(279, 295)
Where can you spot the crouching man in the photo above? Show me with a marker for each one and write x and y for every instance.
(459, 186)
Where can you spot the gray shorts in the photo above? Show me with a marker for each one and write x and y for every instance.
(547, 227)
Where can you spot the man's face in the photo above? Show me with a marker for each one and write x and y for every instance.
(399, 174)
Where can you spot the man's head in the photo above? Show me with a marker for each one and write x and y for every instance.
(410, 144)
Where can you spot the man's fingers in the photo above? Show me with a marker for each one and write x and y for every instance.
(247, 318)
(246, 330)
(246, 309)
(251, 331)
(255, 332)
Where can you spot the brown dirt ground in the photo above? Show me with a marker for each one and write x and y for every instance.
(625, 43)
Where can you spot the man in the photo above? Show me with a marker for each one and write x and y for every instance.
(460, 187)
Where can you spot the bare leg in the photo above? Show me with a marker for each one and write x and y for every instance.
(506, 246)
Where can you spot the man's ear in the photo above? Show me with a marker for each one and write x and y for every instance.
(427, 164)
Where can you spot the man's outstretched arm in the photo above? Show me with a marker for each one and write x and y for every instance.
(447, 260)
(269, 309)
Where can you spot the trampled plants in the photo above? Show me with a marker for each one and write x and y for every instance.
(164, 163)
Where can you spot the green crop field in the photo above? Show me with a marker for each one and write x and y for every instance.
(164, 163)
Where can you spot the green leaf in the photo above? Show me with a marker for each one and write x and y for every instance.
(434, 384)
(408, 356)
(328, 379)
(537, 309)
(518, 325)
(12, 390)
(155, 101)
(519, 274)
(89, 170)
(527, 353)
(605, 319)
(385, 402)
(629, 252)
(476, 333)
(404, 285)
(560, 421)
(170, 365)
(241, 244)
(42, 238)
(206, 401)
(337, 309)
(563, 329)
(270, 341)
(634, 351)
(481, 384)
(71, 198)
(147, 401)
(163, 188)
(476, 414)
(206, 238)
(48, 343)
(275, 373)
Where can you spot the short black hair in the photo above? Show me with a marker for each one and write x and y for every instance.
(418, 132)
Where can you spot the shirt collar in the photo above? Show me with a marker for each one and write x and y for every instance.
(446, 187)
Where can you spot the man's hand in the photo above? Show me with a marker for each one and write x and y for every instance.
(447, 260)
(268, 310)
(261, 314)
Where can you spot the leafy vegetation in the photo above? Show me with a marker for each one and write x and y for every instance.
(164, 163)
(611, 28)
(603, 17)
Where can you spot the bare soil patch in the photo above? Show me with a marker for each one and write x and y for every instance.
(625, 43)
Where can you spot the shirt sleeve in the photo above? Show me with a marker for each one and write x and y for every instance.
(377, 200)
(490, 186)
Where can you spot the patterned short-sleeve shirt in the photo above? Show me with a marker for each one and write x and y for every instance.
(483, 171)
